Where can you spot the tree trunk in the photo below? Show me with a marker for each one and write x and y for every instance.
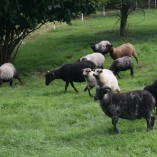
(123, 21)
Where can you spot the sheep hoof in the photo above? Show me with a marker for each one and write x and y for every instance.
(116, 131)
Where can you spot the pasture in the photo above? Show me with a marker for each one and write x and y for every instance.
(41, 121)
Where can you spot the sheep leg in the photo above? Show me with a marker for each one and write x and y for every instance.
(118, 75)
(150, 122)
(73, 86)
(136, 58)
(11, 82)
(66, 86)
(86, 88)
(114, 122)
(132, 72)
(90, 93)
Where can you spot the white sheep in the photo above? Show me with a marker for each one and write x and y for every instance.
(105, 77)
(7, 73)
(90, 79)
(100, 47)
(97, 58)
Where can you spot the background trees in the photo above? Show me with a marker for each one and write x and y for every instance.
(125, 7)
(18, 18)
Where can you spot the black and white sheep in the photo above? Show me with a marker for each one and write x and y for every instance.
(152, 88)
(105, 77)
(123, 50)
(130, 105)
(122, 64)
(100, 47)
(90, 79)
(97, 58)
(69, 73)
(7, 73)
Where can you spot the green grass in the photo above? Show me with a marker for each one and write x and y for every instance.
(38, 120)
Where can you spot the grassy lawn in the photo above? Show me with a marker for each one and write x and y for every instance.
(41, 121)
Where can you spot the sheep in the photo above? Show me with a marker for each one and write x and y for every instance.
(69, 73)
(122, 64)
(123, 50)
(90, 79)
(100, 47)
(152, 88)
(105, 77)
(7, 73)
(97, 58)
(130, 105)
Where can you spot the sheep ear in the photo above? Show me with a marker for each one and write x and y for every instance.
(84, 59)
(82, 70)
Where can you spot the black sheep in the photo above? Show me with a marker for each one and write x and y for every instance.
(130, 105)
(122, 64)
(69, 73)
(152, 88)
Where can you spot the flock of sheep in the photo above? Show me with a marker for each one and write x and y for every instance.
(90, 68)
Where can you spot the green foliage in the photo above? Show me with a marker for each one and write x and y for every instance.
(37, 121)
(18, 18)
(125, 7)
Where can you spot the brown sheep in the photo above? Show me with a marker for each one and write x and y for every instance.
(123, 50)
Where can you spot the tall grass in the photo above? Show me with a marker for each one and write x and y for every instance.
(36, 120)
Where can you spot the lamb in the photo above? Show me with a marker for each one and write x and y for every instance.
(69, 73)
(90, 79)
(130, 105)
(7, 73)
(97, 58)
(100, 47)
(124, 50)
(152, 88)
(122, 64)
(105, 77)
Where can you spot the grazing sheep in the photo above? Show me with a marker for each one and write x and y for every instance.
(105, 77)
(69, 73)
(122, 64)
(129, 105)
(123, 50)
(152, 88)
(90, 79)
(100, 47)
(97, 58)
(7, 73)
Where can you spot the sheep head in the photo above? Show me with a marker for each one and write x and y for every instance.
(49, 77)
(86, 72)
(97, 72)
(109, 48)
(101, 91)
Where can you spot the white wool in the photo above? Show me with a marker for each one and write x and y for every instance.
(102, 45)
(7, 71)
(97, 58)
(107, 78)
(90, 79)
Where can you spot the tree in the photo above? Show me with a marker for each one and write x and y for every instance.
(18, 18)
(126, 7)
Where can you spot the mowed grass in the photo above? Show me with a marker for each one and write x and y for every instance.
(38, 120)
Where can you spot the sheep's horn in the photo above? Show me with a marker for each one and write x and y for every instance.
(104, 87)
